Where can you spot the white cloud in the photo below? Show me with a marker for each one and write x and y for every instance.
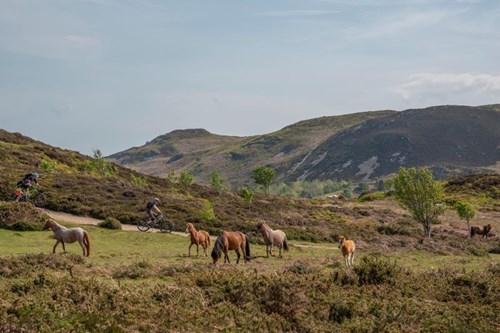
(425, 85)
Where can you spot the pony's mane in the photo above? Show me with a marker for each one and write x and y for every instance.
(218, 246)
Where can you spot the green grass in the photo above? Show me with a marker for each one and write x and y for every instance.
(144, 282)
(116, 247)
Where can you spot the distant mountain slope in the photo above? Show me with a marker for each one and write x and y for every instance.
(360, 146)
(445, 137)
(201, 153)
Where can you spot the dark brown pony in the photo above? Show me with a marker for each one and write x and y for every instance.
(477, 231)
(231, 240)
(198, 237)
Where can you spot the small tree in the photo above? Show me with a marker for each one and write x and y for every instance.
(217, 182)
(247, 195)
(417, 191)
(185, 179)
(264, 176)
(466, 212)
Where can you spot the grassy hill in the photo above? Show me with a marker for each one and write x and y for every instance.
(453, 140)
(201, 153)
(74, 188)
(144, 282)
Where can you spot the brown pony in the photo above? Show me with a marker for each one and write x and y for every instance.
(68, 235)
(348, 249)
(231, 240)
(198, 237)
(272, 237)
(477, 231)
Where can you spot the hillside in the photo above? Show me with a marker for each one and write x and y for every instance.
(201, 153)
(453, 140)
(458, 138)
(71, 187)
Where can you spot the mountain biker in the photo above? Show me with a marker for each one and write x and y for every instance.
(26, 184)
(152, 209)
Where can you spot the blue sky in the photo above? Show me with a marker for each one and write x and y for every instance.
(112, 74)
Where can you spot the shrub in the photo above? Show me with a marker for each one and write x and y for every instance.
(141, 181)
(207, 212)
(21, 216)
(110, 223)
(374, 270)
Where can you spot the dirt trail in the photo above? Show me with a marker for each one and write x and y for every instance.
(66, 217)
(70, 218)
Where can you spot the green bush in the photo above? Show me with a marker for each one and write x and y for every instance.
(375, 270)
(21, 216)
(110, 223)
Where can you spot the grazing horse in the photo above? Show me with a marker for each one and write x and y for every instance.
(348, 249)
(477, 231)
(336, 197)
(68, 235)
(272, 237)
(231, 240)
(198, 237)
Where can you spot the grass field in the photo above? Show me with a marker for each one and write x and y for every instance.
(144, 282)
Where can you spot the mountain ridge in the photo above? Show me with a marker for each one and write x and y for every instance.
(327, 147)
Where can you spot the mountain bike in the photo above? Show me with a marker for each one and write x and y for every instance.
(36, 197)
(160, 222)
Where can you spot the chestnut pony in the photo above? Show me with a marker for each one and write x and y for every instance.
(68, 235)
(477, 231)
(272, 237)
(348, 249)
(198, 237)
(231, 240)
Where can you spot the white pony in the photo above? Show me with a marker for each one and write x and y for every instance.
(272, 237)
(68, 235)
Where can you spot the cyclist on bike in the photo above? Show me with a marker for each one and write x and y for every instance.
(26, 184)
(152, 209)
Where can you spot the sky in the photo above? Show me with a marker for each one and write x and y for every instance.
(114, 74)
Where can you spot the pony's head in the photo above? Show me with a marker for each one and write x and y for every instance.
(259, 226)
(341, 240)
(218, 246)
(189, 227)
(48, 224)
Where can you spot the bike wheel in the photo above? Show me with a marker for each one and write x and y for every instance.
(40, 200)
(165, 225)
(143, 225)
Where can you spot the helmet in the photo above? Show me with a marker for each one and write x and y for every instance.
(35, 174)
(157, 200)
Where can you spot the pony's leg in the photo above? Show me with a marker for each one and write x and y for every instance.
(279, 247)
(55, 245)
(80, 241)
(271, 250)
(346, 260)
(64, 248)
(204, 245)
(226, 257)
(189, 250)
(238, 256)
(352, 259)
(197, 250)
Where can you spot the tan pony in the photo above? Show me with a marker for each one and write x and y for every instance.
(198, 237)
(348, 249)
(68, 235)
(272, 238)
(231, 240)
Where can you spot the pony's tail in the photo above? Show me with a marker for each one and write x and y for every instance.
(86, 242)
(285, 245)
(208, 239)
(247, 248)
